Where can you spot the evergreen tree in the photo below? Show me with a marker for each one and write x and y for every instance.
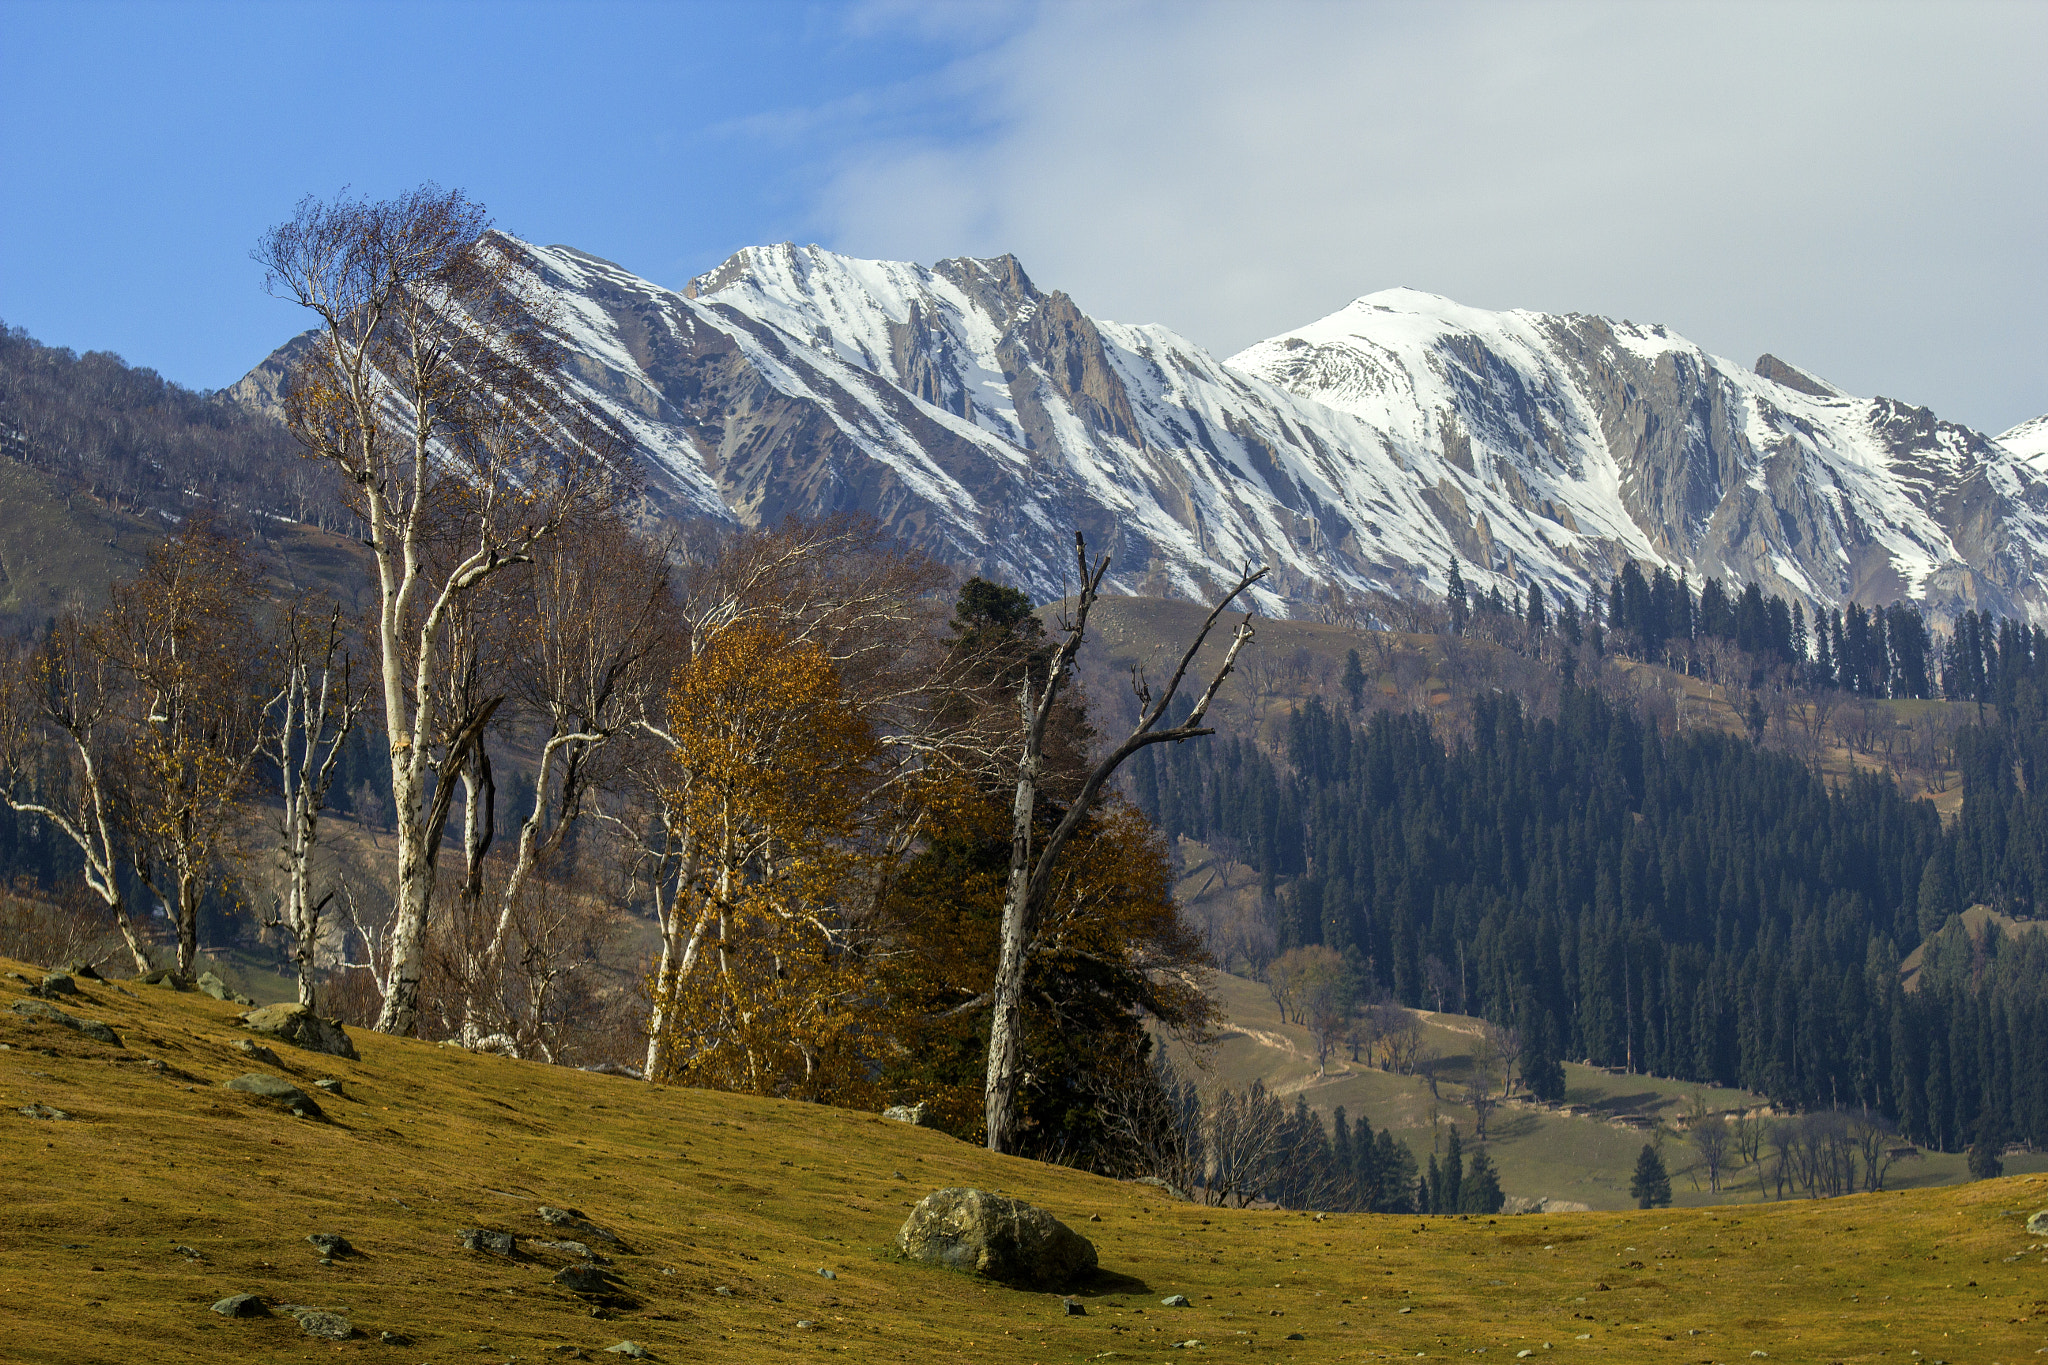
(1354, 679)
(1452, 1187)
(1481, 1192)
(1985, 1159)
(1454, 598)
(1651, 1187)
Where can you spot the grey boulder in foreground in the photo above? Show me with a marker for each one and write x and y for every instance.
(997, 1237)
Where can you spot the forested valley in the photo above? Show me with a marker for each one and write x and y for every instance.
(1688, 905)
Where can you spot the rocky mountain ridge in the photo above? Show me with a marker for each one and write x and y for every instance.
(984, 418)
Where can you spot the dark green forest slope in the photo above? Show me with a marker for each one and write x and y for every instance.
(1687, 905)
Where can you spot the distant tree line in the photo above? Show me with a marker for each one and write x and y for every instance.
(1685, 905)
(1876, 652)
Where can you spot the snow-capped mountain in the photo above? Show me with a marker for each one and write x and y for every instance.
(984, 419)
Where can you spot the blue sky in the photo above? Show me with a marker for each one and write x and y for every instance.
(1857, 188)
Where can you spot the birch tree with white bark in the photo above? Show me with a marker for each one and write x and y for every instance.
(430, 382)
(308, 721)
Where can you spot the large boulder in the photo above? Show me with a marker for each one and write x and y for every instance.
(1004, 1239)
(299, 1026)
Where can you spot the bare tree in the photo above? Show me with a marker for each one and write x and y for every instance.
(1244, 1135)
(1399, 1036)
(1031, 873)
(589, 645)
(182, 635)
(1709, 1134)
(429, 383)
(309, 719)
(59, 747)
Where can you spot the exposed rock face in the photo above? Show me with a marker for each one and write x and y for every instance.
(917, 1115)
(983, 419)
(299, 1026)
(994, 1236)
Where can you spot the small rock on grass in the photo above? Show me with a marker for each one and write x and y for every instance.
(484, 1239)
(1175, 1301)
(330, 1244)
(2037, 1226)
(1073, 1308)
(299, 1026)
(318, 1322)
(823, 1273)
(583, 1279)
(41, 1111)
(279, 1089)
(574, 1218)
(258, 1052)
(631, 1349)
(241, 1306)
(394, 1338)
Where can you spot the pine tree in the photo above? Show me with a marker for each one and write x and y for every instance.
(1451, 1190)
(1454, 598)
(1354, 679)
(1651, 1187)
(1481, 1192)
(1985, 1162)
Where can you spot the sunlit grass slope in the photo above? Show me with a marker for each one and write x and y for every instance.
(757, 1196)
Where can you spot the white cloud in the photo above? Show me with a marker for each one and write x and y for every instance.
(1856, 187)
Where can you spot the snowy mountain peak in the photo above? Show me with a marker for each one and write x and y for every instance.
(2028, 442)
(984, 419)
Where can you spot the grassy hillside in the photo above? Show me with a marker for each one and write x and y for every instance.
(162, 1193)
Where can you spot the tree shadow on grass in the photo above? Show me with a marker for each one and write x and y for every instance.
(1506, 1128)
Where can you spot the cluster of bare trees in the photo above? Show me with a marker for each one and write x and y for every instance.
(1819, 1155)
(1218, 1146)
(137, 731)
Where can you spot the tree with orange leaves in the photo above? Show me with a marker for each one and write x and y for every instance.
(772, 774)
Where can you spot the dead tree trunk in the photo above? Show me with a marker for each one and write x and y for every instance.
(1031, 873)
